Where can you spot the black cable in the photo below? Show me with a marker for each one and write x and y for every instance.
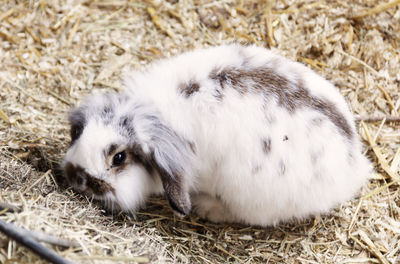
(23, 237)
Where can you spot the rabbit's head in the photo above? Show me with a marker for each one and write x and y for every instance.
(122, 151)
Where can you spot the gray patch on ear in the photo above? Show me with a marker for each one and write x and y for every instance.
(77, 122)
(126, 125)
(107, 113)
(172, 156)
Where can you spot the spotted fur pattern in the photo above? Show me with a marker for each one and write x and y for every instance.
(241, 133)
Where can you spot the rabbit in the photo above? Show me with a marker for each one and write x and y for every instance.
(234, 133)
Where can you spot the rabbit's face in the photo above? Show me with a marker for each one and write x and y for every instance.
(121, 151)
(101, 164)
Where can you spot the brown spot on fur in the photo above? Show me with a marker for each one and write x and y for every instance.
(260, 79)
(190, 88)
(329, 109)
(289, 95)
(221, 79)
(97, 186)
(84, 182)
(267, 145)
(218, 76)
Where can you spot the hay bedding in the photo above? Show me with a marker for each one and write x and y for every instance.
(54, 52)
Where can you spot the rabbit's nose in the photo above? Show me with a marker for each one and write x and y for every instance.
(80, 181)
(76, 176)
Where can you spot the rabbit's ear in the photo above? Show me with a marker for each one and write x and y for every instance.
(77, 122)
(175, 189)
(165, 151)
(171, 156)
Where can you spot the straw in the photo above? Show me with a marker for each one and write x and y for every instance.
(54, 53)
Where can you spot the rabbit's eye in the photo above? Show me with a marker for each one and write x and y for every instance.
(119, 158)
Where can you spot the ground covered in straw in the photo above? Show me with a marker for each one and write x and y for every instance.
(52, 53)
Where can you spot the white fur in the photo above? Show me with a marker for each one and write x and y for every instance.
(231, 178)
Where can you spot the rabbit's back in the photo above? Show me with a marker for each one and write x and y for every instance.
(272, 139)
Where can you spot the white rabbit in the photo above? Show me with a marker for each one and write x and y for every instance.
(238, 134)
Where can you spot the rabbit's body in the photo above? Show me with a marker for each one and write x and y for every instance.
(261, 139)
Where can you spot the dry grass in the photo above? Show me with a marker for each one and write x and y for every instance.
(52, 53)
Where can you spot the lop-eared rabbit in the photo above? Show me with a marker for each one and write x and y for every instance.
(234, 133)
